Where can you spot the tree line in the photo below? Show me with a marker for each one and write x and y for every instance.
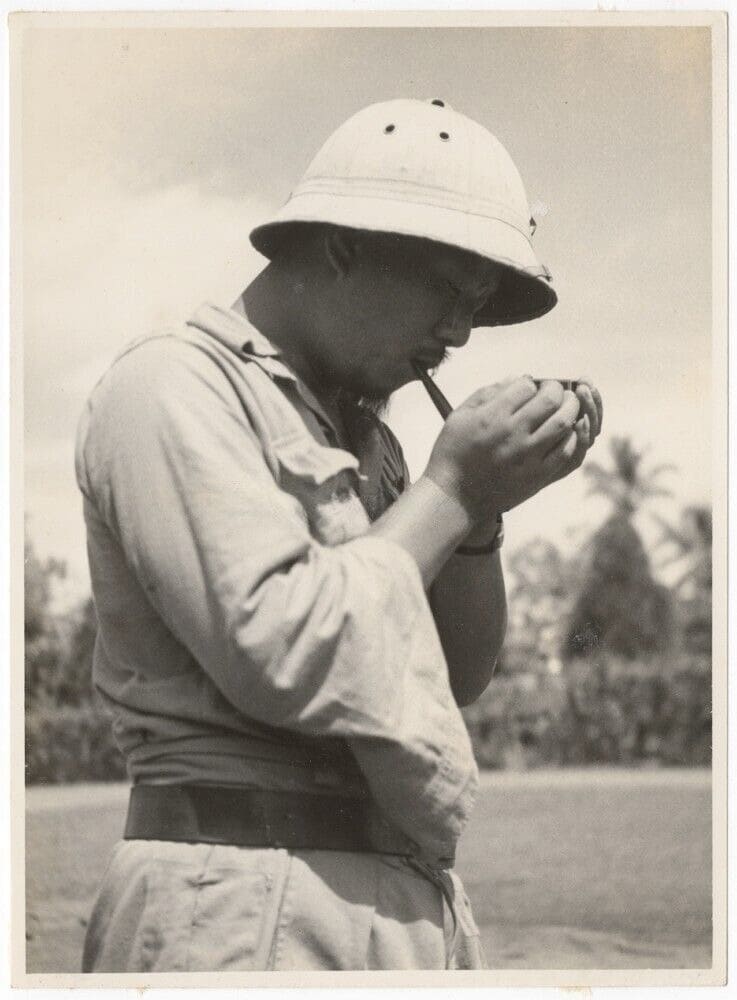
(603, 662)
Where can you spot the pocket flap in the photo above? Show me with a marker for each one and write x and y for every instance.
(308, 461)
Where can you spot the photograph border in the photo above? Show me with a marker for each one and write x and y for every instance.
(716, 975)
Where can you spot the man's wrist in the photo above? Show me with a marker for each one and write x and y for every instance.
(449, 512)
(484, 531)
(483, 541)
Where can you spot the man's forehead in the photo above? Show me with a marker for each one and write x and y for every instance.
(459, 266)
(445, 260)
(469, 265)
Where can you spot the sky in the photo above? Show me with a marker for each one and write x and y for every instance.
(148, 155)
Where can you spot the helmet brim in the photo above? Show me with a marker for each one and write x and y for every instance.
(525, 292)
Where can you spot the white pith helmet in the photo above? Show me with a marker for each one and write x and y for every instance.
(418, 168)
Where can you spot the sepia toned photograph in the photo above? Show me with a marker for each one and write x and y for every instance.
(369, 390)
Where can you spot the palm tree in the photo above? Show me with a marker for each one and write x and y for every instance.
(691, 541)
(627, 484)
(691, 547)
(620, 607)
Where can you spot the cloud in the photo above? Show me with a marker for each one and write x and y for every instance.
(102, 269)
(141, 148)
(157, 108)
(107, 267)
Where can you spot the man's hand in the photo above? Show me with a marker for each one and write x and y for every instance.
(591, 406)
(510, 440)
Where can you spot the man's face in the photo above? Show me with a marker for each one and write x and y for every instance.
(409, 301)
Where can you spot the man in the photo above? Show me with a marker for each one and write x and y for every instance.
(286, 626)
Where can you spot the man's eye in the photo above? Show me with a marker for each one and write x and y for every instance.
(478, 300)
(482, 300)
(480, 294)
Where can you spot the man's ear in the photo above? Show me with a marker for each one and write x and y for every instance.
(341, 250)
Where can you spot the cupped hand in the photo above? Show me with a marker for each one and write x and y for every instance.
(508, 441)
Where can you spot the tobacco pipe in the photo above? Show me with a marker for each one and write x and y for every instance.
(445, 409)
(441, 403)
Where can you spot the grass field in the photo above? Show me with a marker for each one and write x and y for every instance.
(566, 870)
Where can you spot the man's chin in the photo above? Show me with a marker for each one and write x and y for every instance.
(375, 404)
(399, 377)
(365, 397)
(376, 388)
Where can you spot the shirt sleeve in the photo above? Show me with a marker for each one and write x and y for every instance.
(333, 641)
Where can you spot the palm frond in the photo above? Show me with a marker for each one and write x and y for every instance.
(658, 470)
(647, 491)
(669, 534)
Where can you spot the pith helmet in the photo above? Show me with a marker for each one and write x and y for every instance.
(419, 168)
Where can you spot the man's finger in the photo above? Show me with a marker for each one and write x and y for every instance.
(513, 391)
(598, 402)
(482, 395)
(568, 454)
(546, 401)
(517, 392)
(588, 406)
(558, 426)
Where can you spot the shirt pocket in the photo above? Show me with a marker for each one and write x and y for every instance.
(323, 481)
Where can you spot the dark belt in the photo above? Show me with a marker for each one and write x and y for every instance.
(219, 814)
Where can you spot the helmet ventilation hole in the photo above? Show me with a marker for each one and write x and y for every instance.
(438, 103)
(444, 136)
(389, 128)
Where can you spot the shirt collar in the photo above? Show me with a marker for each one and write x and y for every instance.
(234, 330)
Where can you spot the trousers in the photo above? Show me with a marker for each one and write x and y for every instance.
(175, 907)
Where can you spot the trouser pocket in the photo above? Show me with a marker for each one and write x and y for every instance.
(167, 907)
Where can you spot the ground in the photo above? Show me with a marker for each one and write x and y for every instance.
(565, 869)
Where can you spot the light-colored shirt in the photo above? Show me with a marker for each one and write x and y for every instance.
(250, 631)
